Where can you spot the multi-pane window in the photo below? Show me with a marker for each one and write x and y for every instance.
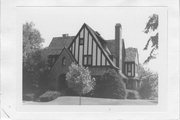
(130, 69)
(88, 60)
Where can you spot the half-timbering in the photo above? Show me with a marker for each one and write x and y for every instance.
(89, 48)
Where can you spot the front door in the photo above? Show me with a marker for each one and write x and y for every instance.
(62, 82)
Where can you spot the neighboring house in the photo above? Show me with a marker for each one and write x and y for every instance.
(90, 49)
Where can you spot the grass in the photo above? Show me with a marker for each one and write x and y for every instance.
(74, 100)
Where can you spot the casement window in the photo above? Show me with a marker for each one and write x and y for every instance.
(87, 60)
(130, 69)
(81, 41)
(63, 61)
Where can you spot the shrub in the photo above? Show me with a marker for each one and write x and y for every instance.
(29, 97)
(49, 95)
(132, 94)
(79, 79)
(110, 86)
(149, 87)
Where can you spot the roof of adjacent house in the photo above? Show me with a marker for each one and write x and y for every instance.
(131, 54)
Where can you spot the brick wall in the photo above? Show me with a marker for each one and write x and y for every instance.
(59, 69)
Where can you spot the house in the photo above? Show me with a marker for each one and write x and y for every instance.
(90, 49)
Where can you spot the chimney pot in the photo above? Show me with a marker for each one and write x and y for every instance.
(65, 35)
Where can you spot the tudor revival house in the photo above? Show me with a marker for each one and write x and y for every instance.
(90, 49)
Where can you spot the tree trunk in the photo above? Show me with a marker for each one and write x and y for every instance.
(80, 100)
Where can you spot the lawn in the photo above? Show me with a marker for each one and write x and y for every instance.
(71, 100)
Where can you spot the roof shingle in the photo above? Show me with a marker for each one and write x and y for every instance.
(131, 54)
(58, 43)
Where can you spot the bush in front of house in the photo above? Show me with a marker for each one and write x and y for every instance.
(110, 85)
(132, 94)
(29, 97)
(49, 95)
(79, 79)
(149, 87)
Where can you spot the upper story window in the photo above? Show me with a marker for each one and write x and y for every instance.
(81, 41)
(87, 60)
(130, 69)
(63, 61)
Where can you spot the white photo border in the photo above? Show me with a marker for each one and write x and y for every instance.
(12, 88)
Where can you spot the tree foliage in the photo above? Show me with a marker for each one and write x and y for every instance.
(110, 86)
(32, 40)
(149, 86)
(79, 79)
(34, 67)
(151, 26)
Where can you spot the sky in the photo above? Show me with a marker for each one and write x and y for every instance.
(55, 21)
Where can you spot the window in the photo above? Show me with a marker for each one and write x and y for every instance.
(81, 41)
(130, 69)
(63, 61)
(88, 60)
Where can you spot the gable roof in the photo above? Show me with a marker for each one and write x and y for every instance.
(69, 53)
(58, 43)
(101, 41)
(56, 62)
(131, 54)
(102, 44)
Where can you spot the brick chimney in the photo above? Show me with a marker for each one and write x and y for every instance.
(118, 45)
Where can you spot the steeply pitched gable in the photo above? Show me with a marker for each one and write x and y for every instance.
(100, 51)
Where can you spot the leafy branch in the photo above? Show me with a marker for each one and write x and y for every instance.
(152, 25)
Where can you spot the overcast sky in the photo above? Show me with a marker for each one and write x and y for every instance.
(55, 21)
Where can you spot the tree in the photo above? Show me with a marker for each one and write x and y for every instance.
(110, 85)
(32, 40)
(152, 25)
(34, 67)
(149, 86)
(79, 79)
